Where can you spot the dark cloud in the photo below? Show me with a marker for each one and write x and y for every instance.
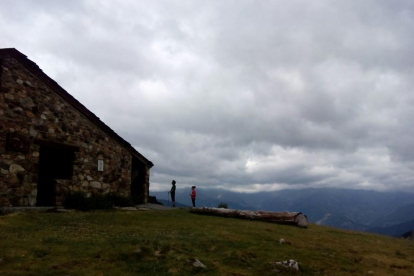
(238, 94)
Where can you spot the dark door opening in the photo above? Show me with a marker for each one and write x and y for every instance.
(138, 176)
(54, 163)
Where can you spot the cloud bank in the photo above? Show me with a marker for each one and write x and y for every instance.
(242, 95)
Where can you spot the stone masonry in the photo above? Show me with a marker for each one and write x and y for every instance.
(31, 111)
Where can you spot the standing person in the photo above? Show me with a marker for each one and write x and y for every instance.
(193, 195)
(172, 191)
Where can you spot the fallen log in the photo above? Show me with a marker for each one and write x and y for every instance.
(296, 218)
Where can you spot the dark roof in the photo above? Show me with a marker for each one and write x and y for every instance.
(35, 70)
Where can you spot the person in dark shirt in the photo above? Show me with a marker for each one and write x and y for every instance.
(172, 192)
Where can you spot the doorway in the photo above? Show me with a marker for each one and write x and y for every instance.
(138, 176)
(54, 163)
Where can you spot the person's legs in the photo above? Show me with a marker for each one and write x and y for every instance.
(193, 200)
(173, 199)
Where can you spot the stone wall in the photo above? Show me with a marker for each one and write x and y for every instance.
(29, 111)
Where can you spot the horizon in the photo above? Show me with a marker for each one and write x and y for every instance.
(290, 189)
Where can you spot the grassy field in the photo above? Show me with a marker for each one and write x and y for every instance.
(166, 243)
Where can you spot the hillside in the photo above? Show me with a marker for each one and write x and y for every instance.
(167, 242)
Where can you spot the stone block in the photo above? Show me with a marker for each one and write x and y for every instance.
(33, 132)
(30, 114)
(27, 102)
(9, 96)
(25, 201)
(16, 168)
(32, 201)
(96, 185)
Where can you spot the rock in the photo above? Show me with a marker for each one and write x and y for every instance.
(9, 96)
(30, 114)
(3, 171)
(25, 201)
(19, 81)
(89, 178)
(27, 102)
(13, 179)
(294, 264)
(32, 201)
(35, 154)
(282, 241)
(16, 168)
(370, 272)
(291, 263)
(197, 263)
(96, 185)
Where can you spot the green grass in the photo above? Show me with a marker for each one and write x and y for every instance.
(166, 242)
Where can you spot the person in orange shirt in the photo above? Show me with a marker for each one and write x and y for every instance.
(193, 195)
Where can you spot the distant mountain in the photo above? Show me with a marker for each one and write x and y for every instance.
(341, 221)
(361, 206)
(397, 230)
(344, 208)
(400, 214)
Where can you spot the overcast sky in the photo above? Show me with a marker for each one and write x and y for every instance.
(242, 95)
